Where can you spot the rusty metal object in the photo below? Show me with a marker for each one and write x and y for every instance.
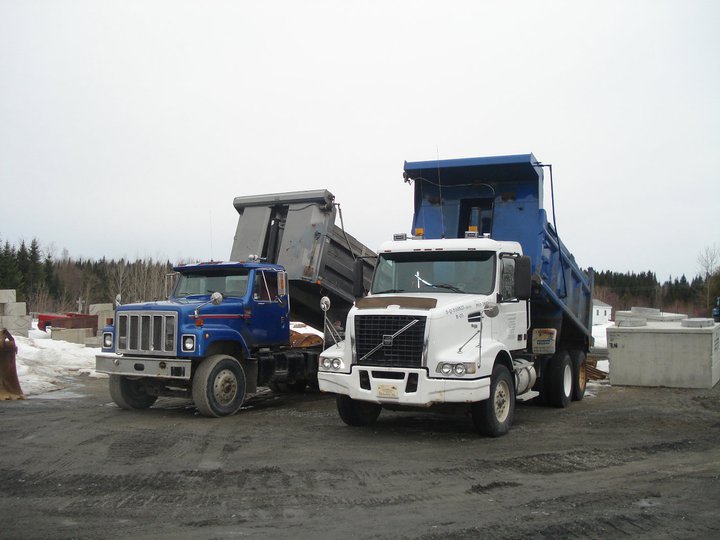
(9, 384)
(298, 339)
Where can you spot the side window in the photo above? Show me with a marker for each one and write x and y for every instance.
(507, 279)
(266, 286)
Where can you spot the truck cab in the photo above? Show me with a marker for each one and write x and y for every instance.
(220, 314)
(440, 316)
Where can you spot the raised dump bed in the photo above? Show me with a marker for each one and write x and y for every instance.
(297, 231)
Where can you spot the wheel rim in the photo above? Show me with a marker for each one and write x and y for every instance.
(501, 401)
(567, 380)
(582, 376)
(225, 387)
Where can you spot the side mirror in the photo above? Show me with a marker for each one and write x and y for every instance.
(118, 299)
(358, 279)
(491, 309)
(523, 278)
(325, 304)
(216, 299)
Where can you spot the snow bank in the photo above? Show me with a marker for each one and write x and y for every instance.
(46, 365)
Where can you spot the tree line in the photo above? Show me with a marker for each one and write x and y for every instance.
(694, 297)
(48, 284)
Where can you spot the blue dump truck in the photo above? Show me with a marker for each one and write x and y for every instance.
(480, 306)
(225, 329)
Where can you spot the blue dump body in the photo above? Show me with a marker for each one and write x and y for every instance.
(502, 196)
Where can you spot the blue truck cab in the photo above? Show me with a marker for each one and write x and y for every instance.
(221, 333)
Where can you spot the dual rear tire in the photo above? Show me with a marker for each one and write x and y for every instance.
(565, 378)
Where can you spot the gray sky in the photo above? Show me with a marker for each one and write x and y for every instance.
(127, 127)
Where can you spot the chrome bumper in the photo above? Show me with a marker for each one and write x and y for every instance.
(131, 366)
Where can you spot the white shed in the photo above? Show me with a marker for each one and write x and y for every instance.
(602, 312)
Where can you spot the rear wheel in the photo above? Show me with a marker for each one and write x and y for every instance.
(218, 386)
(357, 413)
(493, 416)
(130, 393)
(558, 386)
(579, 366)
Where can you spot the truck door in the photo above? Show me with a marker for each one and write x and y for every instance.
(511, 326)
(270, 323)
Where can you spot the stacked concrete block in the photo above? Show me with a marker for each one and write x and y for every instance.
(104, 312)
(13, 314)
(73, 335)
(653, 349)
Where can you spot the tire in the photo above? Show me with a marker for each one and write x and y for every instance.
(218, 386)
(558, 386)
(130, 393)
(579, 365)
(357, 413)
(493, 416)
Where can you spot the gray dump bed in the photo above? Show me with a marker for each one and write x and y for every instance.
(297, 230)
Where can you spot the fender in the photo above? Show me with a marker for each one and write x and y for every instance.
(211, 333)
(496, 351)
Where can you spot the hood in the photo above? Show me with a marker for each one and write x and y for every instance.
(442, 302)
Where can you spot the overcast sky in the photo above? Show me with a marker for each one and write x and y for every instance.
(128, 127)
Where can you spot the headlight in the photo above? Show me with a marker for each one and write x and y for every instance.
(107, 340)
(459, 370)
(329, 364)
(188, 343)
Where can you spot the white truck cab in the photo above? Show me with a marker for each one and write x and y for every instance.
(442, 324)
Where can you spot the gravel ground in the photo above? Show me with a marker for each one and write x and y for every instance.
(622, 463)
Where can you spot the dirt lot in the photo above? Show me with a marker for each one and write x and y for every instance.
(625, 462)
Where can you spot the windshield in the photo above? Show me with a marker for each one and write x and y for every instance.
(469, 272)
(230, 284)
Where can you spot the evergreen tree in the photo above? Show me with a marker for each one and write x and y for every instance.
(10, 276)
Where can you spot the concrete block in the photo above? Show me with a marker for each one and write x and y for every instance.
(72, 335)
(13, 308)
(96, 309)
(650, 315)
(17, 325)
(664, 354)
(93, 341)
(7, 296)
(697, 323)
(103, 317)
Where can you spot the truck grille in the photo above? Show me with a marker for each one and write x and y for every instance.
(404, 350)
(146, 332)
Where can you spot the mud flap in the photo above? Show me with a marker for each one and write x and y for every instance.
(9, 384)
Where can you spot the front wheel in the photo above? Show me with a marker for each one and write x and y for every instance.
(357, 413)
(129, 393)
(493, 417)
(218, 386)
